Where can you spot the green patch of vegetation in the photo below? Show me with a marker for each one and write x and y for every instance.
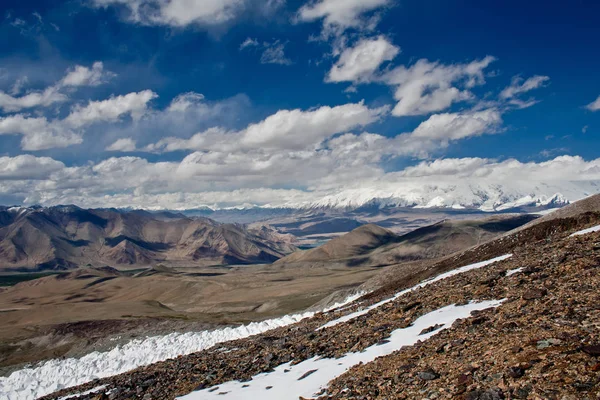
(11, 280)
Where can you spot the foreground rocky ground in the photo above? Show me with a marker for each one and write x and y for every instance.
(542, 343)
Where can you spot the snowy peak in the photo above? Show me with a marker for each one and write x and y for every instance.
(492, 198)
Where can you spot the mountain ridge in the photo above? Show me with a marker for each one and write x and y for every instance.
(65, 237)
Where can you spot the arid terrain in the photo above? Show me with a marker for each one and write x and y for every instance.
(75, 312)
(539, 340)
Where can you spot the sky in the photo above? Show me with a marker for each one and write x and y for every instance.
(181, 103)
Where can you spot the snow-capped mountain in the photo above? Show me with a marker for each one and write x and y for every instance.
(457, 196)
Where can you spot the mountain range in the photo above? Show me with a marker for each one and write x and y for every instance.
(66, 237)
(455, 194)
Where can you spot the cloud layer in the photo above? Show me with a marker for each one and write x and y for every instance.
(190, 183)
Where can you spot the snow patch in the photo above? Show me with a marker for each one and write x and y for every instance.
(94, 390)
(54, 375)
(310, 377)
(586, 231)
(446, 275)
(514, 271)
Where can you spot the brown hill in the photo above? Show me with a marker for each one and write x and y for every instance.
(358, 242)
(375, 246)
(67, 237)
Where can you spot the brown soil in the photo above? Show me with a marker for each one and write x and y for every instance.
(540, 344)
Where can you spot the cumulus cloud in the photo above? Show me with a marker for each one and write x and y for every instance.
(122, 145)
(324, 161)
(359, 63)
(84, 76)
(455, 167)
(110, 110)
(427, 87)
(339, 15)
(178, 13)
(38, 133)
(44, 98)
(286, 129)
(185, 101)
(27, 167)
(296, 129)
(595, 105)
(210, 138)
(454, 126)
(75, 77)
(209, 179)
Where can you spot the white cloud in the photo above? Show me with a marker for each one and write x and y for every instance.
(200, 141)
(360, 62)
(186, 115)
(27, 167)
(44, 98)
(249, 42)
(427, 87)
(521, 104)
(518, 86)
(84, 76)
(76, 76)
(455, 126)
(286, 130)
(122, 145)
(185, 101)
(38, 133)
(178, 13)
(584, 129)
(595, 105)
(274, 53)
(322, 161)
(339, 15)
(18, 85)
(314, 131)
(296, 129)
(334, 176)
(455, 167)
(110, 110)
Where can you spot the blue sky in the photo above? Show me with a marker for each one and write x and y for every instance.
(279, 104)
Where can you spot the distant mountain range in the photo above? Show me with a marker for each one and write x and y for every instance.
(455, 195)
(66, 237)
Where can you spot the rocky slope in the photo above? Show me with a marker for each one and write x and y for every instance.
(67, 237)
(540, 342)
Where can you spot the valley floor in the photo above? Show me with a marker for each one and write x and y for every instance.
(73, 314)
